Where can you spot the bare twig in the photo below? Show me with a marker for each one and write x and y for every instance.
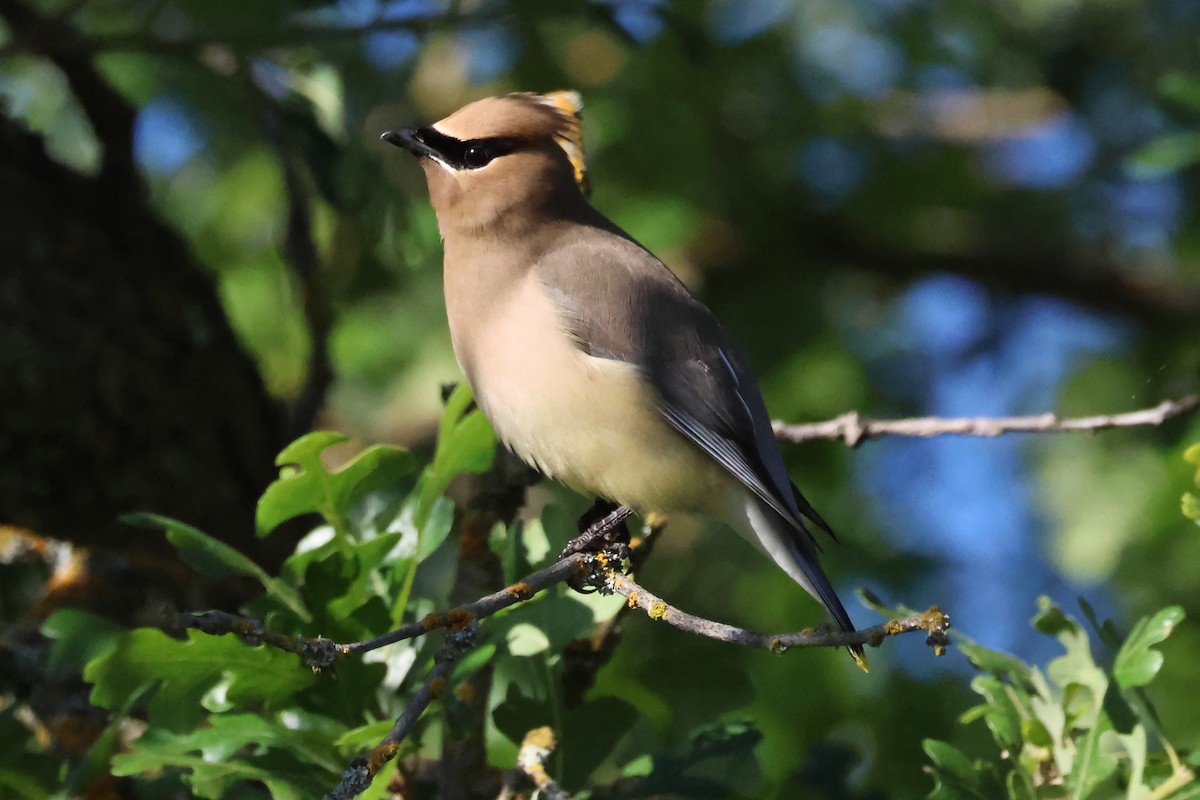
(483, 607)
(933, 622)
(362, 771)
(853, 429)
(537, 745)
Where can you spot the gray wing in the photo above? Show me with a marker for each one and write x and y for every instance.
(704, 386)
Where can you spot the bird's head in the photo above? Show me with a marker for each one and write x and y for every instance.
(508, 158)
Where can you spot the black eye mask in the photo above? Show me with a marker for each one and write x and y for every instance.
(468, 154)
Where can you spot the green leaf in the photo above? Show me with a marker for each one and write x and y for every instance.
(185, 670)
(873, 602)
(215, 559)
(437, 528)
(1136, 745)
(1137, 662)
(955, 775)
(208, 556)
(472, 661)
(993, 661)
(1092, 765)
(305, 486)
(236, 747)
(78, 637)
(1000, 714)
(1167, 154)
(1192, 456)
(1191, 507)
(466, 443)
(1182, 88)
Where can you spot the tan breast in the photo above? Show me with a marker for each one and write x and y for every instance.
(591, 423)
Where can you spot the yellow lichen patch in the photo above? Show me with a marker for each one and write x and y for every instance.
(458, 618)
(380, 756)
(934, 620)
(893, 627)
(542, 737)
(658, 610)
(465, 693)
(633, 599)
(436, 687)
(777, 647)
(936, 623)
(521, 591)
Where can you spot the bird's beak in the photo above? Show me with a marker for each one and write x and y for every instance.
(412, 141)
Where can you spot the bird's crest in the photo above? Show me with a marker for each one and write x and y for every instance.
(570, 136)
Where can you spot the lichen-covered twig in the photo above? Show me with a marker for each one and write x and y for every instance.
(596, 570)
(362, 771)
(536, 747)
(853, 429)
(557, 572)
(933, 622)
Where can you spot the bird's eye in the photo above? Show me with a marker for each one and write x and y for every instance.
(477, 156)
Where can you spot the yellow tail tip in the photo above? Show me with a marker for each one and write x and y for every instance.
(860, 659)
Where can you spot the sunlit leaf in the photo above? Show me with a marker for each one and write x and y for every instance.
(1137, 661)
(184, 670)
(305, 486)
(215, 559)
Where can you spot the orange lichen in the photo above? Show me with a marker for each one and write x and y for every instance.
(381, 755)
(521, 591)
(465, 693)
(436, 687)
(431, 621)
(458, 618)
(633, 599)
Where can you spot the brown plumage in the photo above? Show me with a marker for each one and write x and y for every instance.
(593, 361)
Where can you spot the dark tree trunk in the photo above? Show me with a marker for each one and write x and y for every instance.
(122, 386)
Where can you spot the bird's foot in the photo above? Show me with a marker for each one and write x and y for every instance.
(601, 526)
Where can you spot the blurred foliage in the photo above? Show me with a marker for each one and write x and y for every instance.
(897, 206)
(1082, 728)
(216, 715)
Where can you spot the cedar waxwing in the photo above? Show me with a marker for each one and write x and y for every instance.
(591, 359)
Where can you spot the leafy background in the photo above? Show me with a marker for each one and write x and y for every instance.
(911, 207)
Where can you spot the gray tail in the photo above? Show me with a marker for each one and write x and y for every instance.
(795, 551)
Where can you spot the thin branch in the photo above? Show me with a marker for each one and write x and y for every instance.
(358, 776)
(933, 622)
(853, 429)
(557, 572)
(595, 570)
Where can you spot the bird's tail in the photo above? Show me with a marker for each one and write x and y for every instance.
(791, 546)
